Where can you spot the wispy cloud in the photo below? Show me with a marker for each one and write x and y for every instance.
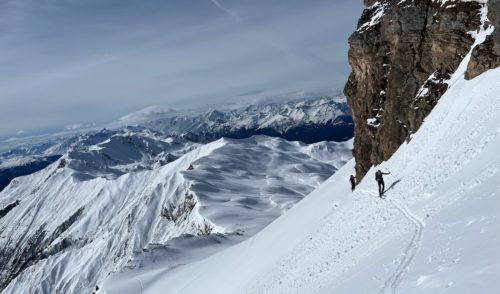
(227, 11)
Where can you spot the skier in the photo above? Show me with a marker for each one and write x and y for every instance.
(380, 181)
(352, 179)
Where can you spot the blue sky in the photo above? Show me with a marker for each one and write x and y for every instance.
(71, 62)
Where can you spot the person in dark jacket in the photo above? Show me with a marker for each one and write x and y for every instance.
(380, 180)
(352, 179)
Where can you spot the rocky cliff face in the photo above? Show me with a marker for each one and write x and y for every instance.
(487, 55)
(402, 55)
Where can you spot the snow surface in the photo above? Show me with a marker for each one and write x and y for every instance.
(75, 223)
(437, 230)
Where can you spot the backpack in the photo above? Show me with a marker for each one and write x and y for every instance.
(378, 176)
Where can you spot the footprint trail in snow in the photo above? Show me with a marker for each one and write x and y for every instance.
(411, 250)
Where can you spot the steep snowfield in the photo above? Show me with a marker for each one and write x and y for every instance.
(65, 228)
(437, 230)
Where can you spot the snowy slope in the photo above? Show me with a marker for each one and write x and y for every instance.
(65, 228)
(437, 231)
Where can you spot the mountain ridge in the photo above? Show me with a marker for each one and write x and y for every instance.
(310, 120)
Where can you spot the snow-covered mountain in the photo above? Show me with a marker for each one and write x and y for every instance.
(98, 208)
(436, 231)
(310, 120)
(107, 153)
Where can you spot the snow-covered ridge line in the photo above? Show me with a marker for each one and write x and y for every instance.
(71, 216)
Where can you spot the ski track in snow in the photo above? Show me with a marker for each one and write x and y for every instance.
(410, 251)
(140, 283)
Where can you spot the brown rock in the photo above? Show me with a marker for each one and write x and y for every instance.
(399, 67)
(487, 55)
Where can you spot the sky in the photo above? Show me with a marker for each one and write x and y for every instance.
(72, 63)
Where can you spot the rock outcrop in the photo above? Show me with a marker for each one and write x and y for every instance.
(402, 55)
(487, 55)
